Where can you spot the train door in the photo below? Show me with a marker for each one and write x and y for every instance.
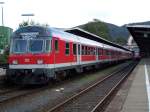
(79, 54)
(55, 50)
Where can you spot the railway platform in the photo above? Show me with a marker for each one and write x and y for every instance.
(138, 97)
(134, 95)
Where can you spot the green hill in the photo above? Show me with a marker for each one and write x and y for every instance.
(107, 31)
(97, 27)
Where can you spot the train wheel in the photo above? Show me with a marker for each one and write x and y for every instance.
(59, 76)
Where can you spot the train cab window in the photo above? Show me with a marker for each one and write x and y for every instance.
(67, 48)
(56, 45)
(36, 46)
(48, 45)
(19, 46)
(74, 49)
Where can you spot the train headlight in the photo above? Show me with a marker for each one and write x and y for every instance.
(39, 61)
(15, 62)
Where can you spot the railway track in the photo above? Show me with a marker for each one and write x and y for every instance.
(12, 94)
(93, 98)
(17, 93)
(7, 95)
(8, 90)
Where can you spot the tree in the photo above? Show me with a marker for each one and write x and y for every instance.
(24, 23)
(120, 40)
(27, 23)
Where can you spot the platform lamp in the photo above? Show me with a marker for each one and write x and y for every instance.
(27, 15)
(2, 13)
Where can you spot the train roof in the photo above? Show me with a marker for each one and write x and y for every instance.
(75, 38)
(42, 31)
(83, 33)
(83, 40)
(48, 31)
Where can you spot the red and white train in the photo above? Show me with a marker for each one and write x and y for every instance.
(38, 54)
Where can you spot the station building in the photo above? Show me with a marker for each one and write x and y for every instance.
(5, 33)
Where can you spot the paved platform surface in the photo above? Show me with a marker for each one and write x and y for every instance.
(138, 96)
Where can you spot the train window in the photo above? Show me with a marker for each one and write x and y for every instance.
(110, 53)
(104, 51)
(98, 51)
(101, 52)
(82, 50)
(107, 52)
(74, 49)
(48, 44)
(19, 46)
(89, 50)
(67, 48)
(56, 45)
(86, 50)
(79, 49)
(113, 53)
(93, 51)
(36, 46)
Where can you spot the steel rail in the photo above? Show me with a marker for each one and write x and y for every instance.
(99, 106)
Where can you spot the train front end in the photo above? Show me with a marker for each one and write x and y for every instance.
(30, 55)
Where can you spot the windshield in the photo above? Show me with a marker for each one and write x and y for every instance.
(36, 46)
(20, 46)
(32, 46)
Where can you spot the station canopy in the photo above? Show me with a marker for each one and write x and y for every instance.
(141, 34)
(80, 32)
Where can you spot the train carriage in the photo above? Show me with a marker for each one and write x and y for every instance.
(38, 54)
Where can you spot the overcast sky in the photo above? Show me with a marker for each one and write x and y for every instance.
(70, 13)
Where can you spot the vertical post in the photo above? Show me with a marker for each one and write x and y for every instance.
(2, 13)
(2, 17)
